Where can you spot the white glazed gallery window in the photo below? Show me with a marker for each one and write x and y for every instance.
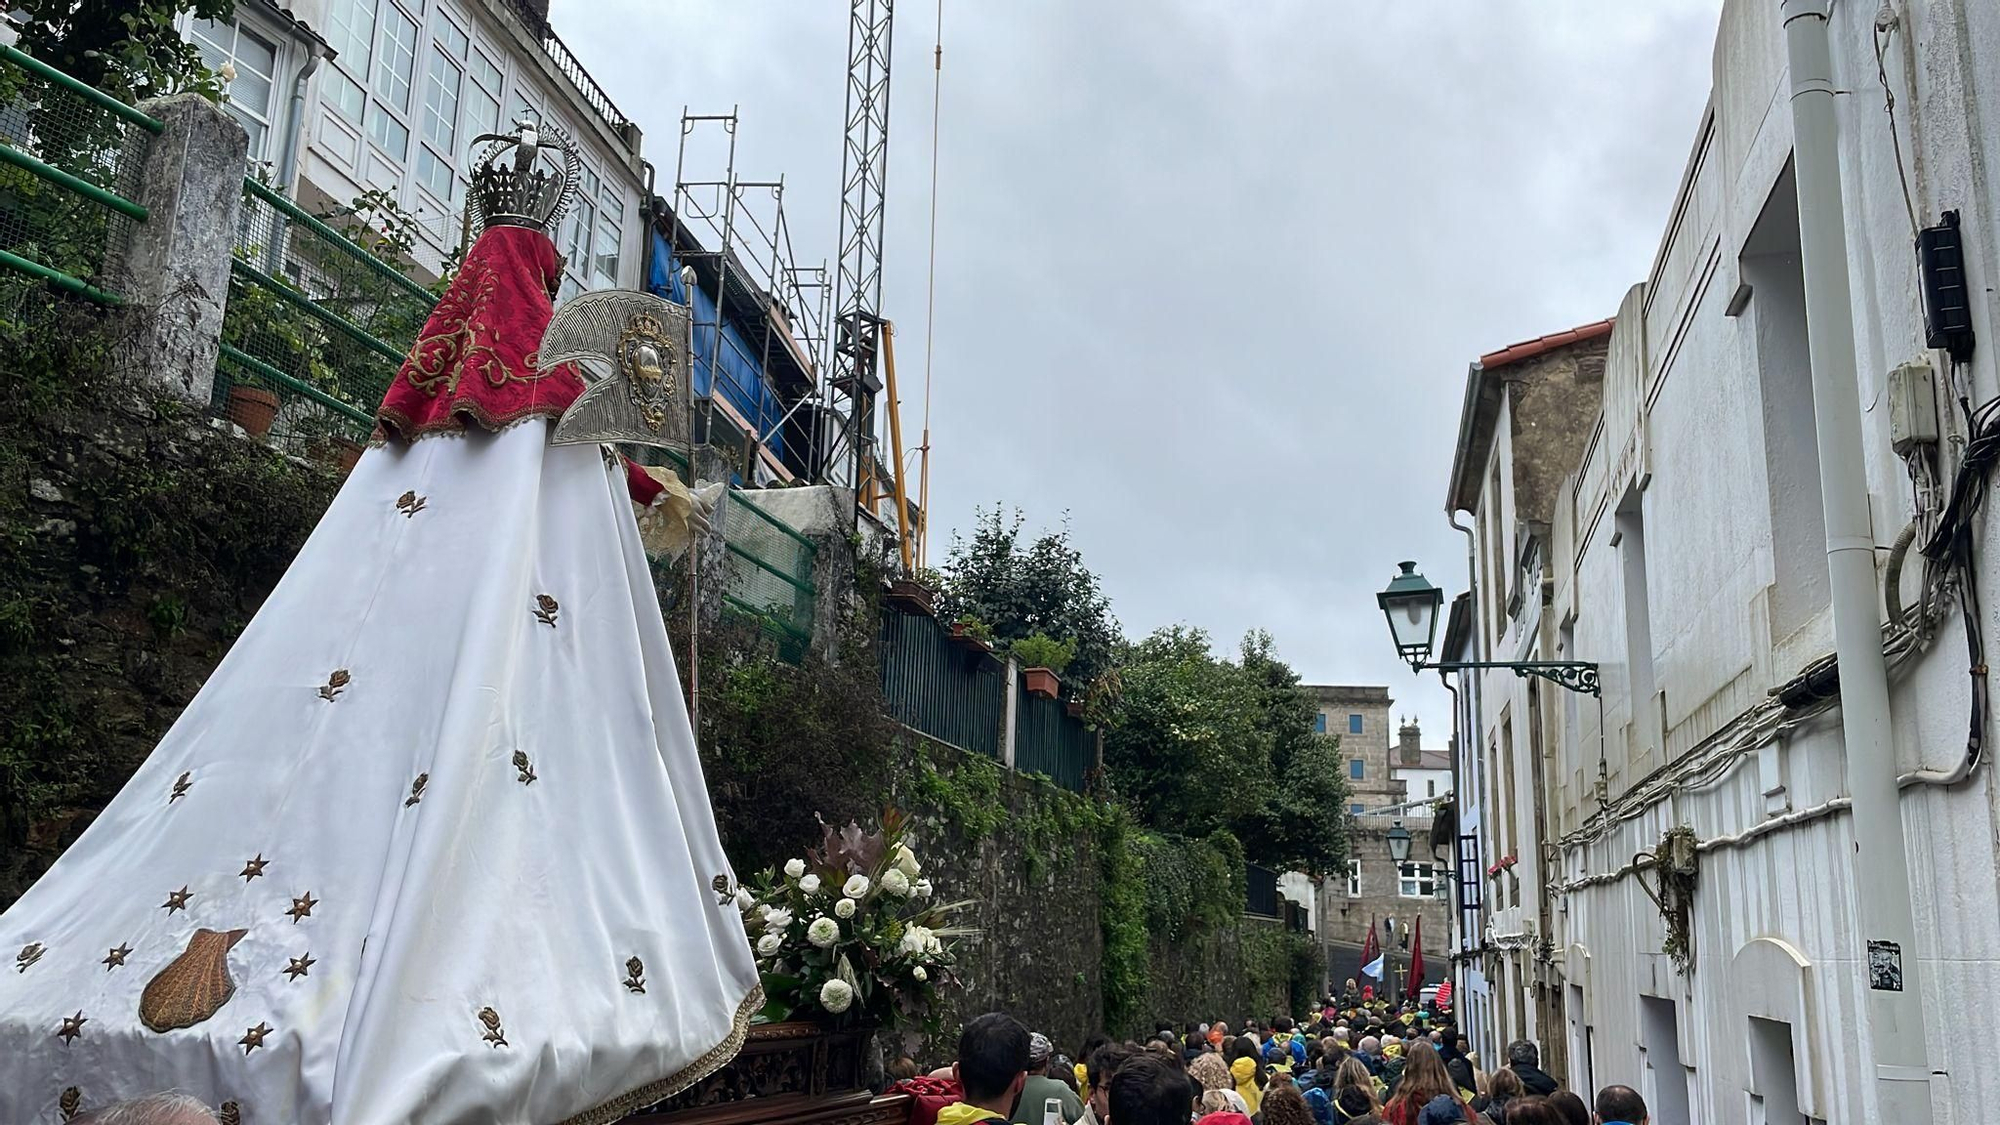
(1353, 878)
(443, 84)
(395, 74)
(1417, 880)
(350, 31)
(254, 61)
(482, 98)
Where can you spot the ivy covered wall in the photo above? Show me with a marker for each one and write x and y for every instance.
(136, 540)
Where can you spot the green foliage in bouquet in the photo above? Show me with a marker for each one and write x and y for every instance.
(853, 934)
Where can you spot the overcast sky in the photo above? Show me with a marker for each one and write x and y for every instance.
(1209, 274)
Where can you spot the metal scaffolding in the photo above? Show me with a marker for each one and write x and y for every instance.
(734, 233)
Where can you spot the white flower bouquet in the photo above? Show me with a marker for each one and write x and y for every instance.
(851, 934)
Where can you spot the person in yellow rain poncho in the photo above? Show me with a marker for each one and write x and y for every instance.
(1244, 1071)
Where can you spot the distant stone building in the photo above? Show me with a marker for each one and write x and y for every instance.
(1376, 890)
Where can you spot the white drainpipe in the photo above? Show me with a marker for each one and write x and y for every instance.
(1896, 1037)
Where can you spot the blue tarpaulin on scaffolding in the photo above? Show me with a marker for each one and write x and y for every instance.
(739, 376)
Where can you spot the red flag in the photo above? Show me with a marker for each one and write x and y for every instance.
(1416, 988)
(1370, 948)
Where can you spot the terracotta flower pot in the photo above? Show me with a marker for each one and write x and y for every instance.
(1074, 709)
(252, 408)
(1041, 682)
(911, 596)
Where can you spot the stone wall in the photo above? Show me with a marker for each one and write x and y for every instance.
(136, 540)
(1033, 882)
(1248, 970)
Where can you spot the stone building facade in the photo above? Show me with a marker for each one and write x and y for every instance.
(1376, 890)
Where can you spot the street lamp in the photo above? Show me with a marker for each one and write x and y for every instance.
(1411, 604)
(1399, 842)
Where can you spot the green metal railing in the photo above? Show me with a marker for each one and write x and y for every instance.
(953, 693)
(770, 564)
(315, 329)
(1048, 741)
(70, 161)
(771, 568)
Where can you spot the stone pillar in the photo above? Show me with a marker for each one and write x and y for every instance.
(173, 269)
(1013, 705)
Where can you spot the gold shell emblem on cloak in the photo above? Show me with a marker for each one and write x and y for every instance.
(193, 986)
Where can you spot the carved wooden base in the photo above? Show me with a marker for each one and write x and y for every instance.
(795, 1073)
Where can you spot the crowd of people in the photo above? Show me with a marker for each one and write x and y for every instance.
(1369, 1063)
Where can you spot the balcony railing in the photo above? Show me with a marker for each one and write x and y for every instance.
(534, 15)
(559, 53)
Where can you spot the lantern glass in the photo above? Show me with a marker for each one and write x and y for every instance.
(1399, 842)
(1411, 605)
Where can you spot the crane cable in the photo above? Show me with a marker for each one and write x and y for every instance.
(930, 296)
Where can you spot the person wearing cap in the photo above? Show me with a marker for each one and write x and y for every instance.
(1040, 1087)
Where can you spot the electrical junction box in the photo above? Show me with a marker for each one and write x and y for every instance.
(1913, 419)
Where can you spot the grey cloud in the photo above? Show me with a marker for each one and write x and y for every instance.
(1209, 275)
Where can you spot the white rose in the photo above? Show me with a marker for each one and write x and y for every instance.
(917, 939)
(795, 868)
(844, 908)
(896, 883)
(744, 899)
(932, 945)
(923, 888)
(920, 975)
(906, 861)
(836, 995)
(809, 884)
(778, 919)
(855, 887)
(823, 932)
(767, 946)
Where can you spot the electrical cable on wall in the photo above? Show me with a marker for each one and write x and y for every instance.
(1887, 22)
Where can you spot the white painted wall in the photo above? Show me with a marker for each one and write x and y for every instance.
(1423, 784)
(1685, 426)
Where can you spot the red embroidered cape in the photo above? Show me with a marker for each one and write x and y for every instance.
(474, 360)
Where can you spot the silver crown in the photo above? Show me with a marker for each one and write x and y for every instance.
(533, 186)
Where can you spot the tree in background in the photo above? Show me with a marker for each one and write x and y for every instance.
(1021, 589)
(1188, 752)
(1303, 827)
(1206, 745)
(127, 48)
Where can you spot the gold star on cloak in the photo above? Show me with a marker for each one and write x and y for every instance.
(254, 1038)
(299, 965)
(116, 957)
(302, 907)
(178, 900)
(254, 868)
(72, 1026)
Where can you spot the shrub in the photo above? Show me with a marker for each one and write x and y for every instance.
(1040, 651)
